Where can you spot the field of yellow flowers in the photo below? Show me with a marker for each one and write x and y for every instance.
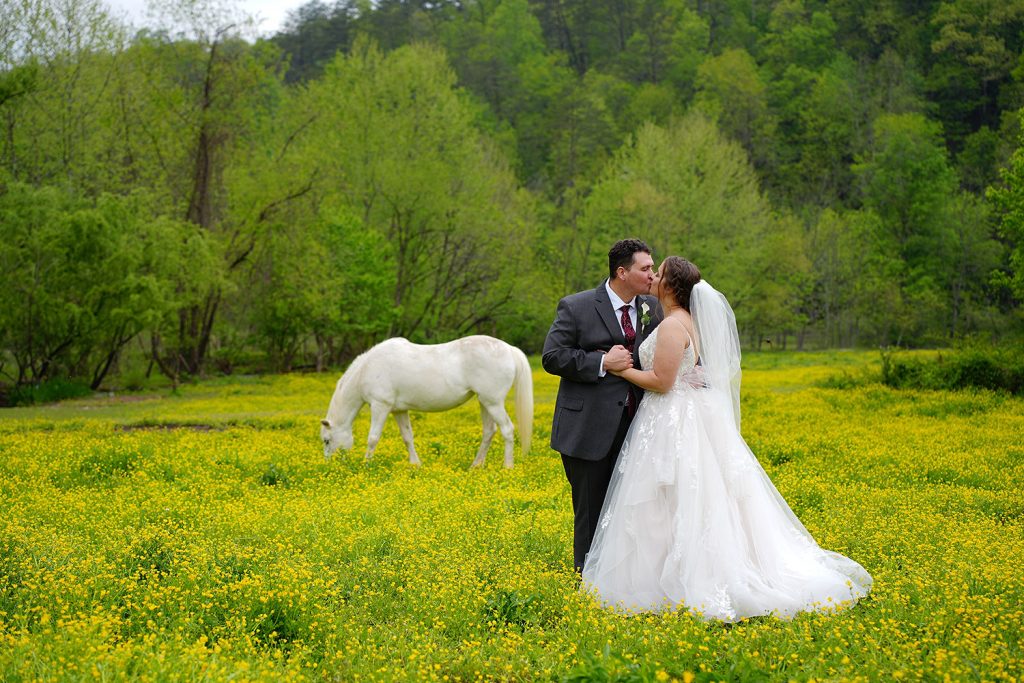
(199, 535)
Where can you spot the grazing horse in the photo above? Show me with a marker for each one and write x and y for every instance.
(397, 376)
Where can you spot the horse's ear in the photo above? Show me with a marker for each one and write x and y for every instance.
(326, 423)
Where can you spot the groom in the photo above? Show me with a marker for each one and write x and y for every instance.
(596, 331)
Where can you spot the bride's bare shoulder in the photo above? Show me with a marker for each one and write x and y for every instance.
(673, 328)
(680, 327)
(672, 322)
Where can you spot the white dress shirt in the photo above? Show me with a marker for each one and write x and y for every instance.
(617, 305)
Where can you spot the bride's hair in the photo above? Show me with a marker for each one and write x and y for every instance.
(680, 276)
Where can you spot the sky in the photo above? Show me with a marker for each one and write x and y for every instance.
(270, 13)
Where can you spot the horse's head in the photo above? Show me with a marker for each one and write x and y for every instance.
(335, 437)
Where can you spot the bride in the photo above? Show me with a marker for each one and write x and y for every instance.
(691, 519)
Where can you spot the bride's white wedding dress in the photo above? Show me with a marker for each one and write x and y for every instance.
(691, 518)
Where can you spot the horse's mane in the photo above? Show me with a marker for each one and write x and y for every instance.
(354, 369)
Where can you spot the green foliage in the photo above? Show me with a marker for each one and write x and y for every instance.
(82, 278)
(977, 162)
(307, 195)
(798, 37)
(731, 90)
(943, 241)
(511, 608)
(690, 47)
(972, 367)
(313, 34)
(274, 476)
(307, 285)
(1008, 198)
(609, 667)
(395, 142)
(48, 391)
(854, 295)
(907, 181)
(689, 191)
(976, 44)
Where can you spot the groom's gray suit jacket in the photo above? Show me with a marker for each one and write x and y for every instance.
(589, 408)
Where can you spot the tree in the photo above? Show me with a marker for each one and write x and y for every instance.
(688, 190)
(978, 160)
(57, 61)
(1008, 199)
(588, 33)
(975, 256)
(83, 278)
(797, 49)
(866, 30)
(690, 46)
(313, 34)
(730, 90)
(733, 23)
(199, 138)
(394, 141)
(647, 53)
(854, 297)
(304, 287)
(976, 45)
(797, 36)
(499, 54)
(906, 178)
(833, 124)
(942, 239)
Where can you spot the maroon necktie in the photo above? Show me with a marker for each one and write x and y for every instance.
(627, 328)
(630, 334)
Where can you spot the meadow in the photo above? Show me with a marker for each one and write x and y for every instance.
(200, 535)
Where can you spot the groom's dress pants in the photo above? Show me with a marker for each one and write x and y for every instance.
(589, 482)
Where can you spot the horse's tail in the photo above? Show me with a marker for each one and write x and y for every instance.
(524, 399)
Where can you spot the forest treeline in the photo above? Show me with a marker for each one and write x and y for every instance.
(848, 173)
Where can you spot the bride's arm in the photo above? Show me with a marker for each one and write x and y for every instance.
(668, 354)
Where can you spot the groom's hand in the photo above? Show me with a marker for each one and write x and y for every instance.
(618, 359)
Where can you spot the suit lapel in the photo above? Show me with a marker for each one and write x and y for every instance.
(604, 310)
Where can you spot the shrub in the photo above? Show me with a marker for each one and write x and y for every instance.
(274, 476)
(997, 369)
(48, 391)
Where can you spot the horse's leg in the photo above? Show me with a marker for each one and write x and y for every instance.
(488, 421)
(497, 411)
(405, 426)
(378, 415)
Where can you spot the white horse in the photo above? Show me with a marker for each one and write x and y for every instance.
(397, 376)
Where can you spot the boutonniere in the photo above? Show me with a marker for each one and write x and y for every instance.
(645, 314)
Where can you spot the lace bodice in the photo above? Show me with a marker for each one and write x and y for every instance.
(647, 359)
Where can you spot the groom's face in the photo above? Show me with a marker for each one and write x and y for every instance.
(640, 274)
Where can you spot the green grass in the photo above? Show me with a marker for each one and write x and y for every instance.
(199, 535)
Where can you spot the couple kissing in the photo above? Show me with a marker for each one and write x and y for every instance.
(671, 508)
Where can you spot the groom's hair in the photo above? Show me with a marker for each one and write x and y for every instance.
(621, 254)
(679, 278)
